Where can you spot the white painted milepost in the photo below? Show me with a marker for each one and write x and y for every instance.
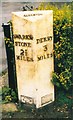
(33, 42)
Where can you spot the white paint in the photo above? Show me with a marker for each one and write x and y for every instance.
(34, 78)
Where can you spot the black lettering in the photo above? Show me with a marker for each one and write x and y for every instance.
(32, 15)
(49, 37)
(44, 56)
(23, 44)
(37, 41)
(23, 37)
(51, 55)
(31, 37)
(19, 43)
(39, 58)
(28, 37)
(18, 57)
(22, 52)
(16, 44)
(25, 58)
(41, 40)
(47, 55)
(45, 47)
(25, 52)
(29, 59)
(19, 36)
(44, 39)
(29, 44)
(21, 57)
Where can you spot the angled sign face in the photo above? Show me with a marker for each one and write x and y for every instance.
(33, 41)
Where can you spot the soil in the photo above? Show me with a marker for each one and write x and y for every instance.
(13, 110)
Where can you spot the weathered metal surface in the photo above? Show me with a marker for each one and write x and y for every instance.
(33, 41)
